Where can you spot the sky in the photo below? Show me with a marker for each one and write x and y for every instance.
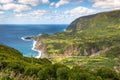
(51, 11)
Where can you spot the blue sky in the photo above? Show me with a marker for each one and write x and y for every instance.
(51, 11)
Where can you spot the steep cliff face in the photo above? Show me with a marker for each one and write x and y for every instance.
(100, 20)
(39, 45)
(77, 24)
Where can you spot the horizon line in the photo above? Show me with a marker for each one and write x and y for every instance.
(34, 24)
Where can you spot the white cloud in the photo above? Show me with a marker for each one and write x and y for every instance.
(36, 13)
(45, 1)
(64, 2)
(31, 2)
(52, 17)
(106, 3)
(79, 11)
(15, 7)
(6, 1)
(1, 12)
(20, 15)
(61, 2)
(52, 4)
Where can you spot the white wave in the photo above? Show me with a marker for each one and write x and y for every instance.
(39, 34)
(64, 29)
(39, 55)
(33, 48)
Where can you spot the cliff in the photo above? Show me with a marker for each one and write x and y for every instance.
(78, 23)
(99, 20)
(40, 46)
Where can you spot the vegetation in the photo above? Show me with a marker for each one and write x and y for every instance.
(99, 20)
(88, 50)
(14, 66)
(93, 34)
(17, 67)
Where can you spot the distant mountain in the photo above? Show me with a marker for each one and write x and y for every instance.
(101, 20)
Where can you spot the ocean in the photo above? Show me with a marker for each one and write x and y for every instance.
(11, 35)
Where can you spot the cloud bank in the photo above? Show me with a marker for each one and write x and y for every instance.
(51, 11)
(15, 7)
(106, 3)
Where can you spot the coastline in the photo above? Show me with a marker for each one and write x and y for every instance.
(64, 30)
(33, 48)
(37, 45)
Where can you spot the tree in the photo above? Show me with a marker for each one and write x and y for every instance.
(106, 73)
(62, 73)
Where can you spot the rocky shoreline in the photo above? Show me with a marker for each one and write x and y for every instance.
(39, 45)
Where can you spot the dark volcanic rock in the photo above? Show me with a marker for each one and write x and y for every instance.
(28, 38)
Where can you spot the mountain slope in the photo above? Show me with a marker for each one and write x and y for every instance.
(14, 66)
(23, 68)
(100, 20)
(87, 50)
(9, 53)
(85, 36)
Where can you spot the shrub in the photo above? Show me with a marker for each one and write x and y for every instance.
(62, 73)
(106, 73)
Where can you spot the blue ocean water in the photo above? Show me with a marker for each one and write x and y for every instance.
(11, 35)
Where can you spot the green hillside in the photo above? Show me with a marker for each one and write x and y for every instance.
(94, 42)
(9, 53)
(91, 34)
(88, 50)
(100, 20)
(13, 66)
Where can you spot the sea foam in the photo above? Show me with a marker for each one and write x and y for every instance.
(33, 48)
(64, 30)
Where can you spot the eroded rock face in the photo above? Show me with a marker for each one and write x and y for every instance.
(71, 51)
(40, 46)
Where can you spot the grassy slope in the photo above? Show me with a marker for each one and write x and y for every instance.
(98, 33)
(14, 65)
(100, 20)
(22, 68)
(8, 54)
